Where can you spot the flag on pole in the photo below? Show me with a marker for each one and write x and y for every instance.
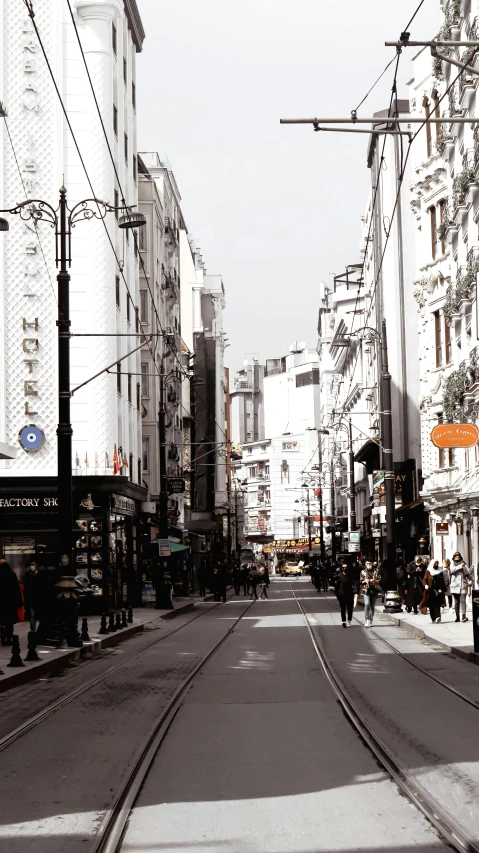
(116, 466)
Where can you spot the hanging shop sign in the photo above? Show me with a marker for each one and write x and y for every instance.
(176, 486)
(455, 435)
(442, 528)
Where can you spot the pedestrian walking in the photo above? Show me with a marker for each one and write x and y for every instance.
(202, 575)
(244, 570)
(446, 570)
(10, 600)
(236, 578)
(401, 575)
(370, 587)
(263, 582)
(461, 582)
(253, 583)
(32, 594)
(220, 578)
(434, 586)
(344, 588)
(414, 589)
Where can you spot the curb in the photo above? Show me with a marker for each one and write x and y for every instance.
(459, 652)
(30, 673)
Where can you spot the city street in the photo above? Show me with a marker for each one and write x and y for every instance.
(260, 756)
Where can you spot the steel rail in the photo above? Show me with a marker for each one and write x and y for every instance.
(448, 828)
(442, 683)
(33, 721)
(113, 825)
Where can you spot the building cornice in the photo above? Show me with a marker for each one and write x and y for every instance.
(135, 24)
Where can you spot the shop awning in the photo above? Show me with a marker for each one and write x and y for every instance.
(368, 454)
(412, 505)
(175, 547)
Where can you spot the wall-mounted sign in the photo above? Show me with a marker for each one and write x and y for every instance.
(123, 504)
(442, 528)
(289, 446)
(31, 438)
(455, 435)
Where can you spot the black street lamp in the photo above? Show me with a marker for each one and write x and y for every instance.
(351, 484)
(63, 220)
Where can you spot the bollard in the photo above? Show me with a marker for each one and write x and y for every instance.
(62, 643)
(124, 623)
(117, 622)
(84, 629)
(16, 659)
(130, 615)
(32, 646)
(111, 622)
(103, 625)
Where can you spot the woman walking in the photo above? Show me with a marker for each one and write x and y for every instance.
(370, 586)
(414, 588)
(434, 586)
(263, 580)
(344, 588)
(460, 582)
(446, 571)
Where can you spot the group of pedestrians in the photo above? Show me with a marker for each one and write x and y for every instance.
(352, 580)
(251, 578)
(37, 591)
(435, 585)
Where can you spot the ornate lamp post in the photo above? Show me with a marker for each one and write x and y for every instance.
(63, 220)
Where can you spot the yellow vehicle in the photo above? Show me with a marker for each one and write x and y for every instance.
(291, 568)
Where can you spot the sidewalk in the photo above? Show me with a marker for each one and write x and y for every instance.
(454, 636)
(52, 659)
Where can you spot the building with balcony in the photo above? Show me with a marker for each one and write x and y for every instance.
(247, 403)
(444, 199)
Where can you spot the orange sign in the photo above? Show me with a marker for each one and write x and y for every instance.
(455, 435)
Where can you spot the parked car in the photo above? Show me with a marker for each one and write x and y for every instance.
(291, 568)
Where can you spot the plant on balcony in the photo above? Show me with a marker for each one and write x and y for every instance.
(452, 304)
(453, 395)
(461, 185)
(444, 135)
(442, 231)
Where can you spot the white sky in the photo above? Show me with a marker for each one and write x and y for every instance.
(275, 209)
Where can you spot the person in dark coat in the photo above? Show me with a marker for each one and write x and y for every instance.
(414, 588)
(10, 600)
(253, 578)
(344, 588)
(202, 575)
(220, 578)
(237, 578)
(434, 586)
(401, 575)
(32, 594)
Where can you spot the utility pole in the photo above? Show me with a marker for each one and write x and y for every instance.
(352, 489)
(392, 600)
(310, 544)
(333, 514)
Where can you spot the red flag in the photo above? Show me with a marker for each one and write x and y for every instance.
(116, 466)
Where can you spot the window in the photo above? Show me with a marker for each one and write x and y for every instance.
(117, 290)
(115, 120)
(125, 72)
(145, 453)
(118, 378)
(252, 471)
(128, 385)
(426, 106)
(113, 38)
(447, 343)
(137, 320)
(125, 145)
(135, 170)
(432, 214)
(138, 396)
(116, 203)
(131, 468)
(145, 380)
(127, 309)
(143, 237)
(446, 454)
(437, 113)
(310, 377)
(266, 469)
(442, 220)
(143, 306)
(438, 337)
(139, 472)
(133, 94)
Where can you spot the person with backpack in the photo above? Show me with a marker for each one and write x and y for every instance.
(344, 589)
(370, 586)
(253, 583)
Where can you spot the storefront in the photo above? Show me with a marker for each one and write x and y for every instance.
(105, 535)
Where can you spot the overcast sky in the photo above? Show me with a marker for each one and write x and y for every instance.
(275, 209)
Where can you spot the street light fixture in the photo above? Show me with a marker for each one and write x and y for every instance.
(62, 219)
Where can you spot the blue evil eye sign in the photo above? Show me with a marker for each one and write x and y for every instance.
(31, 437)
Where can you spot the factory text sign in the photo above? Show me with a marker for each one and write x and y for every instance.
(455, 435)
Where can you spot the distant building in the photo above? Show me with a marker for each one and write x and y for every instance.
(291, 392)
(247, 403)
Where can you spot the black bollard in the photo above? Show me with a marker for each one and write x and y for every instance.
(62, 643)
(84, 629)
(16, 659)
(103, 625)
(32, 646)
(124, 623)
(111, 622)
(130, 615)
(117, 622)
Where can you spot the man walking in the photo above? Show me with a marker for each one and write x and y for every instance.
(370, 585)
(10, 600)
(344, 588)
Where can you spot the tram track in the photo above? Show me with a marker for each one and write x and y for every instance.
(55, 706)
(448, 828)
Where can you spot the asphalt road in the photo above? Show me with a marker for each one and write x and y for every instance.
(261, 758)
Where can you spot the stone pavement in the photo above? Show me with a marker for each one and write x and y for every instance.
(52, 659)
(454, 636)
